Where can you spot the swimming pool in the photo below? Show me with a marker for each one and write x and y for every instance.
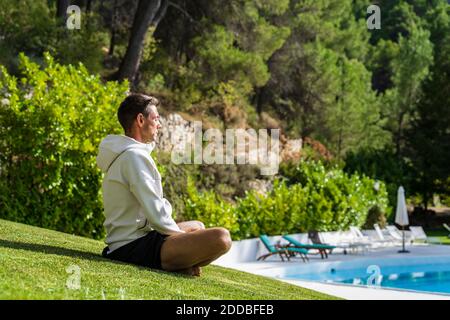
(427, 274)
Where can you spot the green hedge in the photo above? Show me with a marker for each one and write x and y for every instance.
(311, 198)
(211, 209)
(342, 199)
(52, 120)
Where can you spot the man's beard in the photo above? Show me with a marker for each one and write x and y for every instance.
(151, 138)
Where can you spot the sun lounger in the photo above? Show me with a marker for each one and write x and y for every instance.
(321, 248)
(375, 240)
(346, 244)
(397, 234)
(358, 235)
(387, 239)
(282, 251)
(370, 241)
(447, 228)
(418, 234)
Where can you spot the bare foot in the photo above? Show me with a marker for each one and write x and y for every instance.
(197, 271)
(192, 271)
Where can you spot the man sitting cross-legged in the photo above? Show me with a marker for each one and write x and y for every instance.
(138, 219)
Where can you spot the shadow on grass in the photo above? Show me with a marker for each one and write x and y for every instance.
(47, 249)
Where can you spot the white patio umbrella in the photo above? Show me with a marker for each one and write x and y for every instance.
(401, 215)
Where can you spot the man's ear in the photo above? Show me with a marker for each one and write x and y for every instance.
(140, 119)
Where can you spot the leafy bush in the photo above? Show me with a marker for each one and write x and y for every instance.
(51, 122)
(209, 208)
(31, 26)
(376, 215)
(311, 198)
(228, 181)
(85, 45)
(283, 210)
(386, 166)
(334, 199)
(26, 26)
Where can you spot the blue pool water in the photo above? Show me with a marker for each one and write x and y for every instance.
(438, 282)
(427, 274)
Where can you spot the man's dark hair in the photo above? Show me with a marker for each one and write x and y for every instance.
(133, 105)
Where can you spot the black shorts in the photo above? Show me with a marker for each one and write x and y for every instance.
(145, 251)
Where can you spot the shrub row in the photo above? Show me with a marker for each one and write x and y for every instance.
(310, 198)
(51, 121)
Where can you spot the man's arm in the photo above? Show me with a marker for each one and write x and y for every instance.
(189, 226)
(144, 186)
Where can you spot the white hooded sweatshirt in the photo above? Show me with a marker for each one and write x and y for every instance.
(132, 192)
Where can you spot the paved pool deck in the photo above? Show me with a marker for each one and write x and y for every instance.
(271, 266)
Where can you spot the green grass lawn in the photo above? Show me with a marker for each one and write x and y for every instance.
(36, 263)
(439, 236)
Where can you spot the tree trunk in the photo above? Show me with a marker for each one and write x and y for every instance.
(259, 99)
(339, 144)
(112, 43)
(61, 9)
(399, 135)
(149, 12)
(88, 6)
(425, 199)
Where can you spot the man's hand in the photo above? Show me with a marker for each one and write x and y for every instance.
(190, 226)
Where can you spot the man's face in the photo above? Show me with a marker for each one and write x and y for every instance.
(151, 125)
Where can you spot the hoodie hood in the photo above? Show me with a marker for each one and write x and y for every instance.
(114, 145)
